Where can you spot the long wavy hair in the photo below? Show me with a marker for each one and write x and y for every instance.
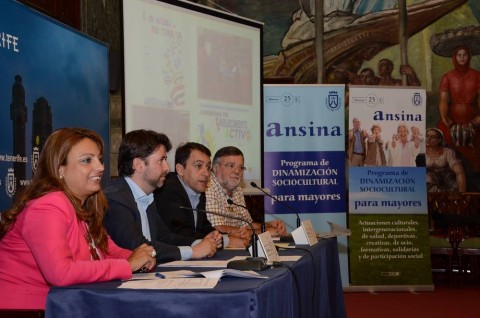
(47, 179)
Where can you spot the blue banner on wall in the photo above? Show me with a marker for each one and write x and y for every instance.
(52, 76)
(387, 190)
(304, 157)
(310, 179)
(304, 148)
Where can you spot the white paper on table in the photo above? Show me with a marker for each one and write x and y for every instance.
(219, 273)
(231, 273)
(176, 283)
(237, 258)
(285, 245)
(285, 258)
(167, 275)
(289, 258)
(219, 264)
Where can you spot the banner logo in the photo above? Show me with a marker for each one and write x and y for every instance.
(417, 99)
(10, 183)
(35, 156)
(287, 99)
(333, 101)
(9, 42)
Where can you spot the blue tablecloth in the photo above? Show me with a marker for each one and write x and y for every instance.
(310, 287)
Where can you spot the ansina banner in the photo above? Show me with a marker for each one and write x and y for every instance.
(388, 212)
(304, 156)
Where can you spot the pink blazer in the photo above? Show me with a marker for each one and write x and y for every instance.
(46, 247)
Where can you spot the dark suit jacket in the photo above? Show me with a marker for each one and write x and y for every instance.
(168, 200)
(123, 224)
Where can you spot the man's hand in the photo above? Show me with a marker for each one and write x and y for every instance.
(240, 237)
(242, 232)
(276, 228)
(216, 238)
(206, 248)
(237, 242)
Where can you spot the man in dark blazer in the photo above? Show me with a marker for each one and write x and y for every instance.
(170, 198)
(186, 188)
(132, 217)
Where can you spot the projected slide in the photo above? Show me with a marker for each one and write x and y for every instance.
(229, 71)
(194, 74)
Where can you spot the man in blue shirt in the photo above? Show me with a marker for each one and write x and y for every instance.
(132, 217)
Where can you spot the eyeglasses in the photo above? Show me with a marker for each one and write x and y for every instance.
(232, 166)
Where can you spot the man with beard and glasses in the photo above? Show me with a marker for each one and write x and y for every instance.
(132, 217)
(227, 175)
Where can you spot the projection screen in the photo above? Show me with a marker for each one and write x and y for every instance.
(194, 73)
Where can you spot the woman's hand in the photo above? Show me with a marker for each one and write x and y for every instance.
(142, 258)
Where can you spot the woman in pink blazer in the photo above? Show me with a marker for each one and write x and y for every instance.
(53, 234)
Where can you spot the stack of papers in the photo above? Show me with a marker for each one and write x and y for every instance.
(185, 283)
(190, 263)
(184, 279)
(219, 273)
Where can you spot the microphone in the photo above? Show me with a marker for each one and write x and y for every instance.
(250, 263)
(253, 184)
(230, 201)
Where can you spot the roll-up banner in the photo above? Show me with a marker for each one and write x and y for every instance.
(304, 157)
(388, 212)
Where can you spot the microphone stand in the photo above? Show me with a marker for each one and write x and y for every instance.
(253, 184)
(250, 263)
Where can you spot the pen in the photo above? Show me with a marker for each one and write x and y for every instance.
(160, 275)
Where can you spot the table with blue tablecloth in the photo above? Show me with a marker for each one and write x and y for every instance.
(309, 287)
